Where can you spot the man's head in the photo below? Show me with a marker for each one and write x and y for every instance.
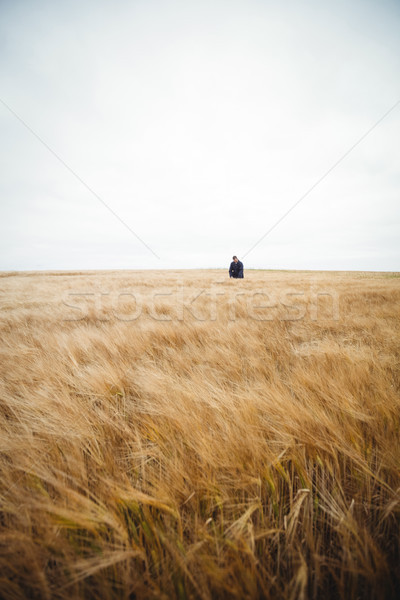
(235, 258)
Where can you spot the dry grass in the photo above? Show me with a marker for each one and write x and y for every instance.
(199, 446)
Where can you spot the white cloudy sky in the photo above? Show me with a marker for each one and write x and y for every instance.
(199, 123)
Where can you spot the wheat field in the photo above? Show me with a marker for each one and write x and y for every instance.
(177, 434)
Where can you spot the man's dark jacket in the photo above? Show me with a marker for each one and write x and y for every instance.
(236, 270)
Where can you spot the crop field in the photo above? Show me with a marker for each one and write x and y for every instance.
(180, 434)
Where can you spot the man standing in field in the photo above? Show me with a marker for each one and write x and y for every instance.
(236, 268)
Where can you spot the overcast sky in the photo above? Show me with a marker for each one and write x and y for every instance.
(199, 123)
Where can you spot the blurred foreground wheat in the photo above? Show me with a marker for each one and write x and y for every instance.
(181, 435)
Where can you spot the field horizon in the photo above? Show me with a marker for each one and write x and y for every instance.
(177, 434)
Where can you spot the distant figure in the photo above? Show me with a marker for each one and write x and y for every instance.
(236, 268)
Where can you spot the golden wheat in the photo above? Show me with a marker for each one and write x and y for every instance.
(181, 435)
